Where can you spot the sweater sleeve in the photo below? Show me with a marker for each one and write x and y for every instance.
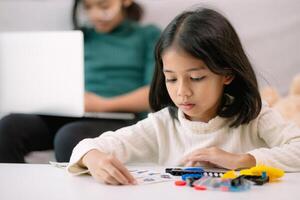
(129, 144)
(283, 140)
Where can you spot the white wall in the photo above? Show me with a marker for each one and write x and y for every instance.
(35, 15)
(269, 29)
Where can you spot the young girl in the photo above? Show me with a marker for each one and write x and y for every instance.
(209, 110)
(119, 63)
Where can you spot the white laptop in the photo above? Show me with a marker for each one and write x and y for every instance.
(43, 73)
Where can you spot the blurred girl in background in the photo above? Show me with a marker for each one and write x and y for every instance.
(119, 60)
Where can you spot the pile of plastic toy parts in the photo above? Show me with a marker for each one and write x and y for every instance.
(230, 181)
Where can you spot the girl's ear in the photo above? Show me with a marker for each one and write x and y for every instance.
(127, 3)
(228, 79)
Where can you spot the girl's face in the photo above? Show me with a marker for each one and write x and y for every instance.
(192, 86)
(105, 15)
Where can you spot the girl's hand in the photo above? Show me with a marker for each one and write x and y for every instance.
(217, 157)
(107, 168)
(95, 103)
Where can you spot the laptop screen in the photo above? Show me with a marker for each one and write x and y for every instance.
(42, 73)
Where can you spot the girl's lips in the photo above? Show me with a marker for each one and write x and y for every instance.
(187, 106)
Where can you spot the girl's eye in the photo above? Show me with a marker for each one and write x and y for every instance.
(170, 80)
(86, 7)
(103, 5)
(197, 78)
(107, 7)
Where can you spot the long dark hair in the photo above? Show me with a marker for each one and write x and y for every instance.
(134, 12)
(209, 36)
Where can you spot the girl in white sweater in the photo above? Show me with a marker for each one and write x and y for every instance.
(207, 110)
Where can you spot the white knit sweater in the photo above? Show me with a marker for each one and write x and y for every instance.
(163, 140)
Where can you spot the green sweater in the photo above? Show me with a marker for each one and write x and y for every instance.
(120, 61)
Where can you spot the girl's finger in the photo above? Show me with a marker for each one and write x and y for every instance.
(185, 159)
(112, 181)
(189, 164)
(195, 153)
(115, 173)
(124, 171)
(106, 177)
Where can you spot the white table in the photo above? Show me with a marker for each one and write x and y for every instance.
(32, 181)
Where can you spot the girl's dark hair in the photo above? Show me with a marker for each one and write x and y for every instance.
(207, 35)
(134, 12)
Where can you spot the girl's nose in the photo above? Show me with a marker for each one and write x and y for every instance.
(184, 90)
